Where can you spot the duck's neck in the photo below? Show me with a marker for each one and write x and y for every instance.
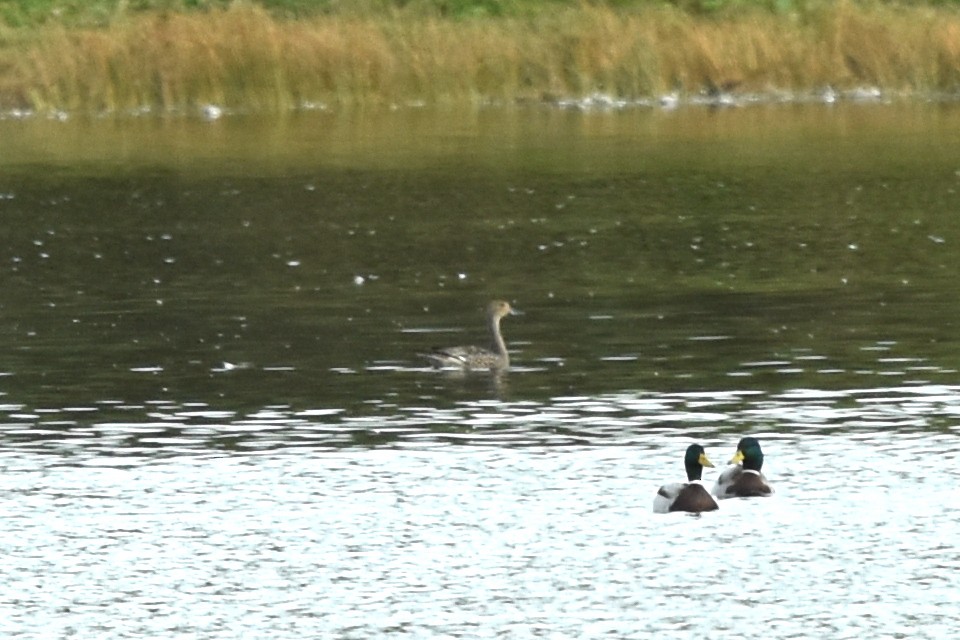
(499, 346)
(694, 473)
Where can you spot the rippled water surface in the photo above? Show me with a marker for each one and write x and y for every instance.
(213, 423)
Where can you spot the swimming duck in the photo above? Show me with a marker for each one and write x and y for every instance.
(471, 357)
(688, 496)
(743, 480)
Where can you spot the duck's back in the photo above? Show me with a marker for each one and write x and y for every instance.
(469, 357)
(691, 497)
(737, 482)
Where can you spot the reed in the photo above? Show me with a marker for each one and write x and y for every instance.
(245, 57)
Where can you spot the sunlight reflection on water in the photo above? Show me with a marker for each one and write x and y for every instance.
(213, 423)
(605, 419)
(468, 535)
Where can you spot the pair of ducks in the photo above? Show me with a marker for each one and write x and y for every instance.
(742, 480)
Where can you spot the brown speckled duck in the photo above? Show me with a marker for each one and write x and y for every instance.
(472, 357)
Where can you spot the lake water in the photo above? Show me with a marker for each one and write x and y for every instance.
(213, 423)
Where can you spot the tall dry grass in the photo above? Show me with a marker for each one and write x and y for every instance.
(244, 57)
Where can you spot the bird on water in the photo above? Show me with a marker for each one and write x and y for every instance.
(474, 357)
(744, 479)
(690, 496)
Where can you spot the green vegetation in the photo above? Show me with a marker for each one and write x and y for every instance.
(20, 13)
(116, 55)
(101, 12)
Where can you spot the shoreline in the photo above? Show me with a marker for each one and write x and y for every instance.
(592, 103)
(244, 59)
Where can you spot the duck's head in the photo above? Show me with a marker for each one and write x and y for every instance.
(695, 460)
(749, 453)
(500, 308)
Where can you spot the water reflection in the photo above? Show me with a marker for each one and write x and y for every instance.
(167, 428)
(371, 541)
(214, 422)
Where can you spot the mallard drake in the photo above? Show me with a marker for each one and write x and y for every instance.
(472, 357)
(688, 496)
(743, 479)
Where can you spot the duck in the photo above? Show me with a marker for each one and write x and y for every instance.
(473, 357)
(690, 496)
(744, 479)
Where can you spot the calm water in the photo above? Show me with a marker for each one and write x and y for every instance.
(213, 423)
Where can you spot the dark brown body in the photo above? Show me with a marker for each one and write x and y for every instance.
(736, 482)
(692, 498)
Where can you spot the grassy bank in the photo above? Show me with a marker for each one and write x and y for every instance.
(116, 56)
